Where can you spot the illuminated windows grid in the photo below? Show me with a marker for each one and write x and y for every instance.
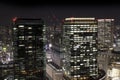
(80, 43)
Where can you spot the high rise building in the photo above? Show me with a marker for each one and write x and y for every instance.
(109, 62)
(105, 34)
(80, 48)
(28, 49)
(56, 46)
(54, 68)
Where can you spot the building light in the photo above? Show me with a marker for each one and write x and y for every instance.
(71, 60)
(30, 36)
(78, 60)
(21, 26)
(94, 59)
(75, 75)
(21, 45)
(4, 49)
(30, 51)
(14, 28)
(29, 27)
(50, 45)
(80, 18)
(29, 46)
(81, 64)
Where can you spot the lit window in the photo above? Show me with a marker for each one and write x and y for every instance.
(29, 46)
(90, 70)
(78, 75)
(21, 45)
(94, 59)
(21, 37)
(78, 60)
(81, 64)
(29, 36)
(75, 75)
(29, 51)
(21, 26)
(14, 28)
(88, 50)
(94, 50)
(91, 54)
(29, 27)
(91, 65)
(75, 66)
(71, 61)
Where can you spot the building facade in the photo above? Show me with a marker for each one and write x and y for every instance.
(56, 46)
(28, 49)
(80, 48)
(105, 34)
(110, 63)
(54, 68)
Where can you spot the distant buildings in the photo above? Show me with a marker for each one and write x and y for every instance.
(28, 49)
(113, 72)
(80, 48)
(105, 34)
(54, 68)
(109, 62)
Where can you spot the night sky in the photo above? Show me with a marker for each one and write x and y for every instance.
(55, 13)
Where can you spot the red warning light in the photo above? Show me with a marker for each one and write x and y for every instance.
(14, 19)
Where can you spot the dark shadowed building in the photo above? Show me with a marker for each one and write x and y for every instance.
(28, 48)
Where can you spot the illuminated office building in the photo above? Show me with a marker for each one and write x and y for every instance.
(28, 49)
(105, 34)
(80, 48)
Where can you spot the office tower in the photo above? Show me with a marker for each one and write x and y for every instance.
(80, 48)
(56, 46)
(28, 49)
(105, 34)
(55, 66)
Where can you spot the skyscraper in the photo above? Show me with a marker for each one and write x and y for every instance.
(105, 34)
(55, 66)
(28, 49)
(80, 48)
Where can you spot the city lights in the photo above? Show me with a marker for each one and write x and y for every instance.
(79, 49)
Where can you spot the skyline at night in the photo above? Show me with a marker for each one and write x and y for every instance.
(44, 41)
(54, 14)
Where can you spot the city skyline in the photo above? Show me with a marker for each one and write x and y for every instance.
(54, 14)
(84, 45)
